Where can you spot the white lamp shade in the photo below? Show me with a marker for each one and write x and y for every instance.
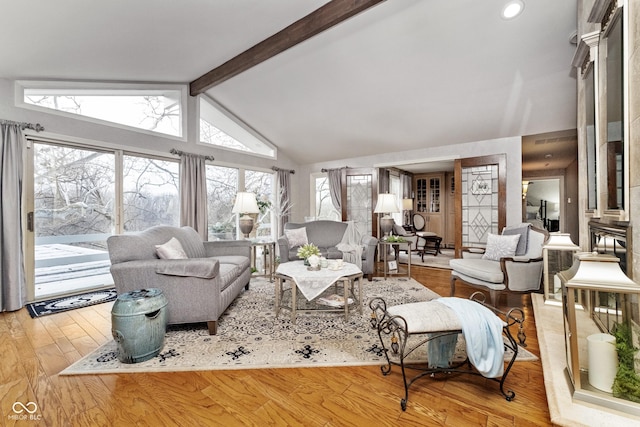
(560, 241)
(245, 203)
(387, 203)
(407, 204)
(600, 272)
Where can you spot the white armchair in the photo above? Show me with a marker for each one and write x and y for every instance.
(517, 272)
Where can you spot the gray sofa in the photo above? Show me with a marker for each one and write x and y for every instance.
(326, 235)
(199, 288)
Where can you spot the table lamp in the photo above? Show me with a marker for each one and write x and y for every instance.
(245, 204)
(386, 204)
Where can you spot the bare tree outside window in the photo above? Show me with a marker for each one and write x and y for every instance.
(150, 193)
(74, 191)
(324, 205)
(210, 134)
(222, 186)
(159, 113)
(261, 183)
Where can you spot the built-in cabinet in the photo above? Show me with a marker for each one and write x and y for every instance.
(430, 201)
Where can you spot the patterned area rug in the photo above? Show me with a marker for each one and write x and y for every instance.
(249, 336)
(58, 305)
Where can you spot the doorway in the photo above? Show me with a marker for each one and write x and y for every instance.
(542, 203)
(71, 214)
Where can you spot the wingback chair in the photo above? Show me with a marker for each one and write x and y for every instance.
(326, 235)
(503, 270)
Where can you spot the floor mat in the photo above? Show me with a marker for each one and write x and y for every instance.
(58, 305)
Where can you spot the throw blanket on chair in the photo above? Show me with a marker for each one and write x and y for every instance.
(482, 331)
(350, 245)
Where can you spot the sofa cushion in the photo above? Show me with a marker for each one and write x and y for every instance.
(171, 250)
(332, 253)
(228, 274)
(238, 260)
(482, 269)
(296, 237)
(500, 246)
(204, 268)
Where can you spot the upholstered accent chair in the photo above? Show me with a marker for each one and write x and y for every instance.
(326, 235)
(511, 263)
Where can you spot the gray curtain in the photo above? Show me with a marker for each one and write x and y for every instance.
(12, 276)
(335, 188)
(406, 180)
(193, 193)
(284, 200)
(383, 180)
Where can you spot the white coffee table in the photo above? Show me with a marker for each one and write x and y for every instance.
(313, 283)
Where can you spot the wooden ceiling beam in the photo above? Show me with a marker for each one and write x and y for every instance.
(323, 18)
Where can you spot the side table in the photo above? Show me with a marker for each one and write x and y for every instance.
(268, 267)
(384, 249)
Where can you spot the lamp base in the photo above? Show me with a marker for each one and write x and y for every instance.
(386, 225)
(246, 225)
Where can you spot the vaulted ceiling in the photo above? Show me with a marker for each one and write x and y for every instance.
(402, 75)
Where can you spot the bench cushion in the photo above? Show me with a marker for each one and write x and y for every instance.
(427, 316)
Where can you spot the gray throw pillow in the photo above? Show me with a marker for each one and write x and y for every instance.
(523, 231)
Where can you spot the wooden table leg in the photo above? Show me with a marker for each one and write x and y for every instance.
(278, 295)
(294, 301)
(345, 284)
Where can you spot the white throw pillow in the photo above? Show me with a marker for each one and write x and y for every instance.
(501, 246)
(171, 250)
(296, 237)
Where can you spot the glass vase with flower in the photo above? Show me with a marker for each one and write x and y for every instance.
(306, 250)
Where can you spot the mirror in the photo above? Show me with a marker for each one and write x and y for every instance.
(590, 110)
(615, 117)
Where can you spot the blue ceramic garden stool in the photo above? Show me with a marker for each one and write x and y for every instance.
(138, 324)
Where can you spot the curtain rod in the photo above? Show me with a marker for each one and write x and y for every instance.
(23, 125)
(275, 168)
(180, 153)
(334, 169)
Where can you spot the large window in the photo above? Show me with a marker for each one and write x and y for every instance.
(150, 193)
(222, 186)
(323, 207)
(143, 107)
(261, 183)
(219, 127)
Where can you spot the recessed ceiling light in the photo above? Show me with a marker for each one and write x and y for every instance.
(512, 9)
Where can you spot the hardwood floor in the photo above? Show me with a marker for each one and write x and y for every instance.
(33, 351)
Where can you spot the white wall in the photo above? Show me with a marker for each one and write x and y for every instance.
(512, 147)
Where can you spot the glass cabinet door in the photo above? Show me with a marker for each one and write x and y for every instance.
(434, 195)
(428, 195)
